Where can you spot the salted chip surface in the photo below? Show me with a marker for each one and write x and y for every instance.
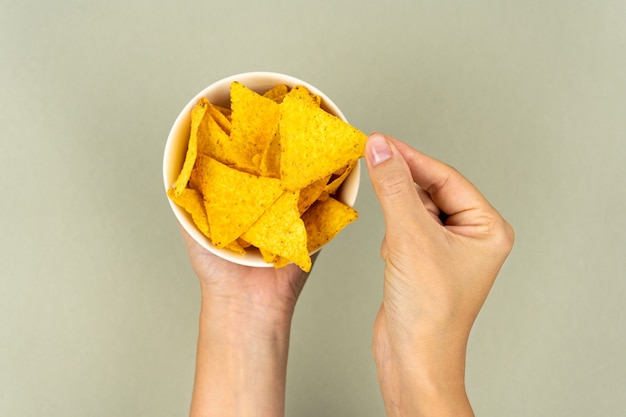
(270, 160)
(277, 93)
(310, 193)
(254, 122)
(213, 141)
(313, 143)
(280, 231)
(220, 118)
(234, 200)
(197, 114)
(192, 202)
(324, 220)
(339, 177)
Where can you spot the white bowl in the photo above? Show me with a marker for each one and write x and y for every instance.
(176, 147)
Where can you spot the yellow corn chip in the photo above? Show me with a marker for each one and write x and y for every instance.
(310, 194)
(220, 118)
(243, 243)
(313, 143)
(236, 247)
(339, 177)
(280, 262)
(268, 257)
(324, 220)
(213, 141)
(197, 113)
(270, 162)
(276, 93)
(254, 123)
(224, 110)
(280, 231)
(192, 202)
(234, 200)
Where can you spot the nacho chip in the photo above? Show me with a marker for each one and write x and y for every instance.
(313, 143)
(224, 110)
(236, 247)
(268, 257)
(310, 194)
(280, 262)
(324, 220)
(339, 177)
(281, 231)
(192, 202)
(277, 93)
(213, 141)
(270, 161)
(197, 113)
(254, 123)
(220, 118)
(234, 200)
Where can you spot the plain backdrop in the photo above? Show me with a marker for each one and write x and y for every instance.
(98, 304)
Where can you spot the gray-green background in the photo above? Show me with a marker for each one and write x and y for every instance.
(98, 304)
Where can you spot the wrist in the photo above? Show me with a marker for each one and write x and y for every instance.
(421, 375)
(246, 309)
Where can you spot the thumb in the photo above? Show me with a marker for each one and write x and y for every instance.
(392, 182)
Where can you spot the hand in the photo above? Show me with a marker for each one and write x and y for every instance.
(243, 341)
(443, 248)
(246, 289)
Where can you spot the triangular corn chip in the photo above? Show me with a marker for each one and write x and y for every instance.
(234, 200)
(270, 162)
(313, 143)
(310, 193)
(192, 202)
(197, 113)
(280, 231)
(254, 123)
(277, 93)
(324, 219)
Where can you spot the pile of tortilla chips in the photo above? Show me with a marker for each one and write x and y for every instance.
(263, 173)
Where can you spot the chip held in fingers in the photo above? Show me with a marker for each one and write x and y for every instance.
(262, 174)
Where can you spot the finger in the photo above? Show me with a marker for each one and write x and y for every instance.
(392, 182)
(448, 189)
(429, 204)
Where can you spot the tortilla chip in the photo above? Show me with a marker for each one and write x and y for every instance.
(280, 262)
(234, 200)
(236, 247)
(220, 118)
(224, 110)
(192, 202)
(197, 113)
(313, 143)
(310, 194)
(270, 161)
(281, 231)
(254, 123)
(339, 177)
(277, 93)
(324, 220)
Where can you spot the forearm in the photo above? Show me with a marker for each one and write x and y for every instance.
(241, 362)
(422, 377)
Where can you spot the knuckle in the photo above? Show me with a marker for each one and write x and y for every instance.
(503, 236)
(392, 185)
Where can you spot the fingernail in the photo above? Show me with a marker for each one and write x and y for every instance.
(378, 149)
